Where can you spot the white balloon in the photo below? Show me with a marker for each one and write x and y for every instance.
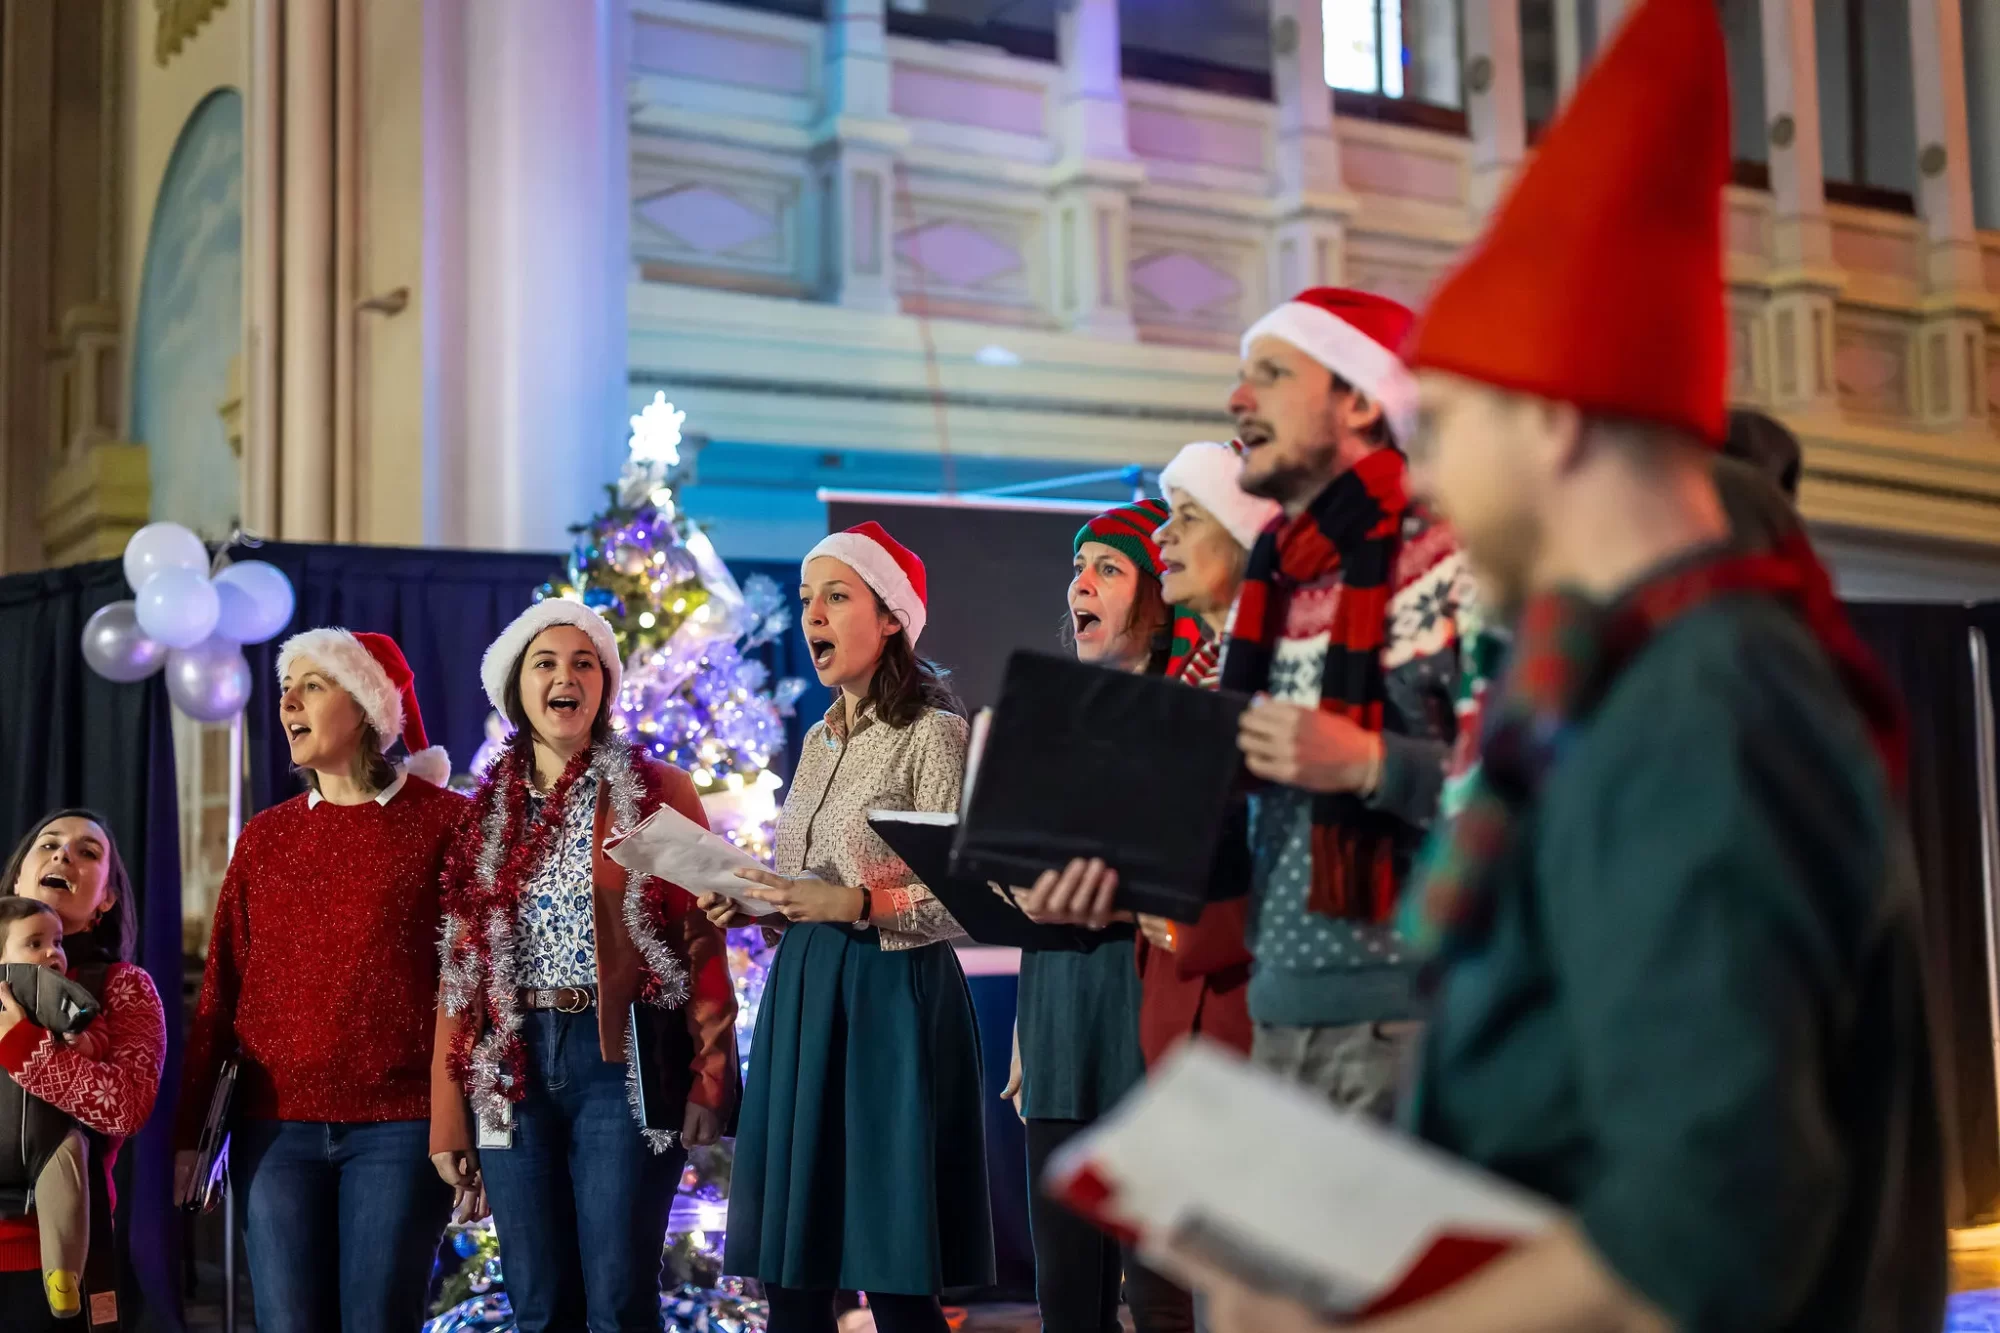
(210, 682)
(117, 649)
(159, 547)
(255, 600)
(178, 607)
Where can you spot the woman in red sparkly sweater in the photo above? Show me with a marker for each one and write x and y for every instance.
(322, 972)
(69, 861)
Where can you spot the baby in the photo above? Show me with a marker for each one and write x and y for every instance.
(32, 933)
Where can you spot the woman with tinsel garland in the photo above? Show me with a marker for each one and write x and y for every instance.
(321, 976)
(69, 861)
(586, 1020)
(861, 1161)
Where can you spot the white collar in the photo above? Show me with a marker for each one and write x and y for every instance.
(383, 797)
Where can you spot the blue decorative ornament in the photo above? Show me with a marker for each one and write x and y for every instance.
(466, 1244)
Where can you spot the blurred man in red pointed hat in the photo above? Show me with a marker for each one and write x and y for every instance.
(1677, 986)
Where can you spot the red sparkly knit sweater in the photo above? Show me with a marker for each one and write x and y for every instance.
(323, 964)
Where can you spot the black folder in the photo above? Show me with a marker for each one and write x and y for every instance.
(988, 915)
(1077, 760)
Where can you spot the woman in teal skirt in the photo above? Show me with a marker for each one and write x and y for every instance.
(861, 1149)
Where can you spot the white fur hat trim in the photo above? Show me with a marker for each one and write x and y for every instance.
(504, 651)
(1211, 473)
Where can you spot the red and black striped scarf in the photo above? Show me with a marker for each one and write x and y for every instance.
(1568, 651)
(1352, 530)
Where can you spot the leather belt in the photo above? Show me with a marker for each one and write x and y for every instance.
(562, 999)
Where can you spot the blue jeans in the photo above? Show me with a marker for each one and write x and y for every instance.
(340, 1222)
(578, 1198)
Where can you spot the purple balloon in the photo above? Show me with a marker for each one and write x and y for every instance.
(117, 649)
(209, 683)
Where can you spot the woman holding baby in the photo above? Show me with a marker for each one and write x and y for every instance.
(322, 978)
(105, 1079)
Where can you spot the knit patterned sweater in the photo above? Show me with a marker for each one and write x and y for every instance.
(323, 964)
(1312, 971)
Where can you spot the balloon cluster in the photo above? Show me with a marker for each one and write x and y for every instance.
(190, 619)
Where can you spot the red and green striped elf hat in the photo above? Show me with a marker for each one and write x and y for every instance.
(1128, 529)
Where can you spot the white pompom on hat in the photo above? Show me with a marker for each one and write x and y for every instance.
(887, 566)
(371, 667)
(1212, 474)
(501, 655)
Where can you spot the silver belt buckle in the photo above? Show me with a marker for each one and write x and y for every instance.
(583, 1000)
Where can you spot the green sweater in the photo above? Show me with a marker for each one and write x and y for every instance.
(1697, 1020)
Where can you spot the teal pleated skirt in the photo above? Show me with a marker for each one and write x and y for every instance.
(861, 1147)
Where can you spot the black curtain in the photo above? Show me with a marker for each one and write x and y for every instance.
(69, 737)
(443, 607)
(1925, 649)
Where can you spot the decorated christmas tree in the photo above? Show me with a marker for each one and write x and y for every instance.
(694, 696)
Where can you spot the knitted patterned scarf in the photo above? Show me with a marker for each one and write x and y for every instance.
(1568, 651)
(1353, 530)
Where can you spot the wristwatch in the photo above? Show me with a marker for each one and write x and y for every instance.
(867, 907)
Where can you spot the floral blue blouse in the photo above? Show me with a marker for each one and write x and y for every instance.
(557, 942)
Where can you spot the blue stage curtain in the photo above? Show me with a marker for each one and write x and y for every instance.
(443, 607)
(69, 737)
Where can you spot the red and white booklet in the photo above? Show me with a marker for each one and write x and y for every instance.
(1267, 1182)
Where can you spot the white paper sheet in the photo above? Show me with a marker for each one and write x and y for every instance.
(669, 845)
(1269, 1182)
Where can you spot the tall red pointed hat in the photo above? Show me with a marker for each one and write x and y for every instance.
(1600, 280)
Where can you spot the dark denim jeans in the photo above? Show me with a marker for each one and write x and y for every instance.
(340, 1222)
(579, 1200)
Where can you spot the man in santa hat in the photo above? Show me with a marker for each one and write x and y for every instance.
(1346, 632)
(1680, 989)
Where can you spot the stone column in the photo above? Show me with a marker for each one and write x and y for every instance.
(1095, 177)
(1495, 97)
(305, 396)
(1951, 350)
(546, 257)
(856, 145)
(1982, 39)
(1313, 203)
(1805, 283)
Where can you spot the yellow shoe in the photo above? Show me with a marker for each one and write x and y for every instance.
(65, 1293)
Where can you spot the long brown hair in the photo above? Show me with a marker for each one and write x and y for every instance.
(117, 930)
(904, 685)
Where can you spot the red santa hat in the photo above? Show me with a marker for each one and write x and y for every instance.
(1600, 281)
(885, 565)
(372, 669)
(1211, 473)
(1356, 335)
(498, 664)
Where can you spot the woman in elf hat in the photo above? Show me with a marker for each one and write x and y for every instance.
(586, 1020)
(861, 1160)
(1076, 1039)
(322, 974)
